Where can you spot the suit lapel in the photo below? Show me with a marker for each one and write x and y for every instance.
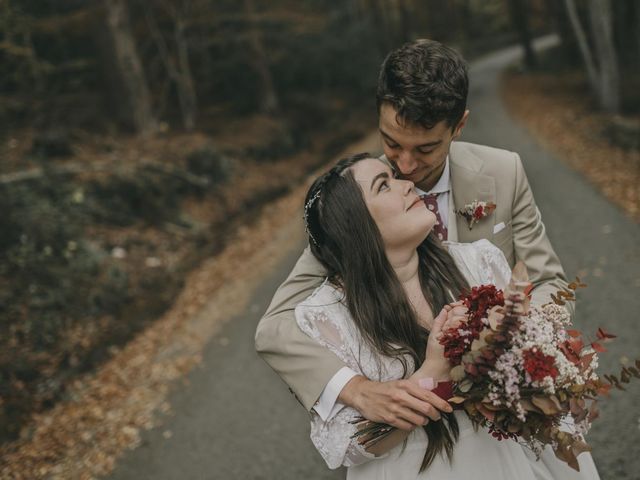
(467, 185)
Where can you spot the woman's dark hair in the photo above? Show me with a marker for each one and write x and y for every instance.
(425, 82)
(345, 239)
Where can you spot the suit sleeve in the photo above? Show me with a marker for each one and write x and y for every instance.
(304, 365)
(532, 245)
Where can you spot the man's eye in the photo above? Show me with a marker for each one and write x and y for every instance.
(426, 152)
(393, 146)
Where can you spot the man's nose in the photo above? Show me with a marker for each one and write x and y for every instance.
(405, 163)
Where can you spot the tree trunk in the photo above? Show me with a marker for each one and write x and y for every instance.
(562, 25)
(583, 44)
(184, 79)
(519, 18)
(177, 65)
(637, 27)
(269, 102)
(603, 72)
(129, 67)
(602, 27)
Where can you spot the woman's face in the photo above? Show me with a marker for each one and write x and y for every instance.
(399, 213)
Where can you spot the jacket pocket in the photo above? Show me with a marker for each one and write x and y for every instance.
(504, 241)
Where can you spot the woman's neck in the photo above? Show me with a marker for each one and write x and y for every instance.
(405, 264)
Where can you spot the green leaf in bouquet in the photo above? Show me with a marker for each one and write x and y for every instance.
(528, 405)
(479, 342)
(457, 373)
(576, 405)
(549, 405)
(486, 412)
(465, 385)
(495, 318)
(456, 400)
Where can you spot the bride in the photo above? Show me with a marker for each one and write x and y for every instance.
(387, 296)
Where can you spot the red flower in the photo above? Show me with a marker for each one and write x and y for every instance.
(455, 345)
(478, 212)
(478, 302)
(481, 299)
(501, 434)
(539, 365)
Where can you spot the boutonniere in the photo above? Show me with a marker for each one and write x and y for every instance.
(476, 211)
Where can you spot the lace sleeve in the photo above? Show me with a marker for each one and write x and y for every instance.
(496, 269)
(481, 262)
(328, 324)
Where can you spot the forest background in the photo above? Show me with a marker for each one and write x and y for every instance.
(137, 135)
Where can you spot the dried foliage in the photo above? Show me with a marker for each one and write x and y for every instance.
(95, 247)
(553, 107)
(105, 412)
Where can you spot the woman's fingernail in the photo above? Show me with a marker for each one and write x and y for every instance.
(427, 383)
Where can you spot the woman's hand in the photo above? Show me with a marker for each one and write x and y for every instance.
(435, 364)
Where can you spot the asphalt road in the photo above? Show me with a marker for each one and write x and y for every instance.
(236, 420)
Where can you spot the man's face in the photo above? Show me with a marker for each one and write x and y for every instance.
(418, 154)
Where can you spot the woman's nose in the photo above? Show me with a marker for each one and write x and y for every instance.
(407, 186)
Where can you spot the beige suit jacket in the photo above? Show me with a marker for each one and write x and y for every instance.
(477, 173)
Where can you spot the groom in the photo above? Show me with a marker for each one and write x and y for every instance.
(421, 98)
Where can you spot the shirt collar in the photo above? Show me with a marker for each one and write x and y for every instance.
(442, 185)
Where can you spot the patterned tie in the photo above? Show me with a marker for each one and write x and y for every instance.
(430, 200)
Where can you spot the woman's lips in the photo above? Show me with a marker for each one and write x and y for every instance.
(415, 202)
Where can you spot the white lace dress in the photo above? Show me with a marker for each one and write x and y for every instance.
(477, 455)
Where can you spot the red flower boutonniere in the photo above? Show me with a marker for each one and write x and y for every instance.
(476, 211)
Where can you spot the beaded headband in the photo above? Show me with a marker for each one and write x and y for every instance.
(306, 215)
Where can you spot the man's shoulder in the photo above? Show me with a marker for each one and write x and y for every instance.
(485, 160)
(491, 155)
(325, 295)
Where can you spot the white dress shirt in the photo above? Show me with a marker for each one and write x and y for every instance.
(327, 405)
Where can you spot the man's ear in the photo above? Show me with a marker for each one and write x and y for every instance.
(461, 124)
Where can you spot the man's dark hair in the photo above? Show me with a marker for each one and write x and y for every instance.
(425, 82)
(346, 240)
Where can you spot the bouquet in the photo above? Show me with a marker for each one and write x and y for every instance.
(521, 371)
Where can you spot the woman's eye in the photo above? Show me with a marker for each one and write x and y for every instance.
(383, 186)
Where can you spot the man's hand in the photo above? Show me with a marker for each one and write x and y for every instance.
(400, 403)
